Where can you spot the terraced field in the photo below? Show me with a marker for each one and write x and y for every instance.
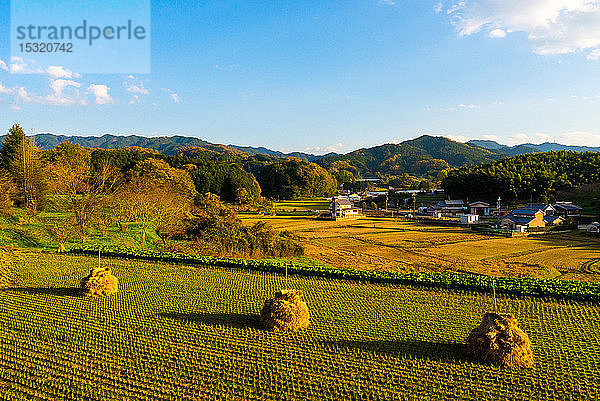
(404, 246)
(176, 332)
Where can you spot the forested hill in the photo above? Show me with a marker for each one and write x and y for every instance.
(529, 147)
(424, 156)
(166, 145)
(531, 176)
(416, 156)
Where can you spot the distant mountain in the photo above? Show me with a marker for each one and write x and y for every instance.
(529, 147)
(421, 156)
(416, 156)
(275, 153)
(492, 145)
(165, 145)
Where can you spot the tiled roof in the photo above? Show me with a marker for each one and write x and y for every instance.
(537, 206)
(342, 201)
(551, 219)
(518, 220)
(567, 206)
(528, 212)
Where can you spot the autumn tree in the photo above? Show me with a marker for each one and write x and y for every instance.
(11, 146)
(25, 166)
(8, 190)
(157, 195)
(80, 187)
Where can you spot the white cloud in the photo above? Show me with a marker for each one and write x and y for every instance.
(576, 138)
(23, 95)
(458, 138)
(324, 149)
(175, 97)
(4, 90)
(498, 33)
(56, 71)
(594, 55)
(3, 66)
(438, 8)
(494, 138)
(552, 26)
(139, 89)
(468, 106)
(57, 97)
(19, 66)
(388, 2)
(101, 93)
(59, 85)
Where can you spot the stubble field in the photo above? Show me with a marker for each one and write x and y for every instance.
(406, 246)
(181, 333)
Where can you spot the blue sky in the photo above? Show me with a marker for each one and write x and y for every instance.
(323, 76)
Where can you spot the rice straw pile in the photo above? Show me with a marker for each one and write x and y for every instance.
(100, 281)
(286, 312)
(499, 340)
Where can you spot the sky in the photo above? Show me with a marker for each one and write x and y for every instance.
(322, 76)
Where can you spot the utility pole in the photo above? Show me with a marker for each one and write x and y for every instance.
(386, 201)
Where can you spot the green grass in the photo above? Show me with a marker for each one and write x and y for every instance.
(315, 204)
(17, 231)
(175, 332)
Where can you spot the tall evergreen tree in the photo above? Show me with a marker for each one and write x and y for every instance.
(11, 145)
(27, 171)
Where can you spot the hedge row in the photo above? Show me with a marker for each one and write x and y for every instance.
(560, 289)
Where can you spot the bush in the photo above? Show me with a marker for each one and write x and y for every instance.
(550, 288)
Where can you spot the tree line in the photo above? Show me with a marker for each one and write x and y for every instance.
(535, 176)
(99, 190)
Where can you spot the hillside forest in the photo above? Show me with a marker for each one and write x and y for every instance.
(74, 192)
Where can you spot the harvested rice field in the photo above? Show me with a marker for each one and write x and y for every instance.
(181, 333)
(406, 246)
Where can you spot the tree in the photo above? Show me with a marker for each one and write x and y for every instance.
(294, 178)
(11, 146)
(27, 171)
(8, 190)
(224, 180)
(80, 187)
(158, 196)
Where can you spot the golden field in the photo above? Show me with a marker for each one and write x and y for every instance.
(407, 246)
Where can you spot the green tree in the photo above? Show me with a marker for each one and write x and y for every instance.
(294, 178)
(28, 173)
(11, 146)
(8, 190)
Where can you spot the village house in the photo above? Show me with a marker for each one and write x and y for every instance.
(521, 219)
(341, 208)
(479, 208)
(545, 208)
(567, 210)
(450, 207)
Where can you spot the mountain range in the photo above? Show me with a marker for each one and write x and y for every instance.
(529, 147)
(415, 156)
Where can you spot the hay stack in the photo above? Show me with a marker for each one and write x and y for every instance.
(286, 312)
(499, 340)
(100, 281)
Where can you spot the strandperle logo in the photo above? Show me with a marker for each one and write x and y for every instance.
(85, 32)
(84, 36)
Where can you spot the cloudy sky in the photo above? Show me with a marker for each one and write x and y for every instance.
(325, 75)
